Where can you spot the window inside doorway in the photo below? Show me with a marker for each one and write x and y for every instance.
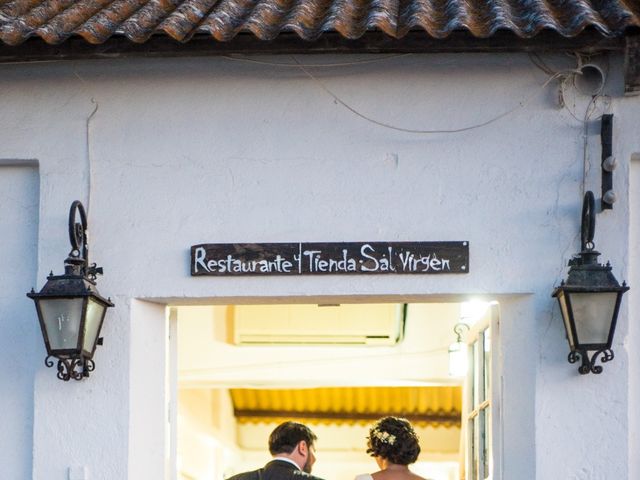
(235, 387)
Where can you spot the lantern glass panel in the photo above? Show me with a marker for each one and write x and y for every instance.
(562, 300)
(62, 318)
(592, 313)
(95, 313)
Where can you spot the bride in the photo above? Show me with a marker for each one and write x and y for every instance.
(394, 445)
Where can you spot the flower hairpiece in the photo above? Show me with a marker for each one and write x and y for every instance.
(384, 437)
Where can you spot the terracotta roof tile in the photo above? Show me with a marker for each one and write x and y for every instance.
(97, 20)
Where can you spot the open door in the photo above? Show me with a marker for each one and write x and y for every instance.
(239, 379)
(480, 415)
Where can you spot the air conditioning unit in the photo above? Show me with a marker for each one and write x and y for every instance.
(354, 324)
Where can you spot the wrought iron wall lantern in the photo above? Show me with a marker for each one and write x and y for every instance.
(69, 307)
(589, 300)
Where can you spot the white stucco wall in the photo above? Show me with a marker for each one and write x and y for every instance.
(187, 151)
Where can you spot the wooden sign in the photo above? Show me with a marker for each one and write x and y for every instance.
(329, 258)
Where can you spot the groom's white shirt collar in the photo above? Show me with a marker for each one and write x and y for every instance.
(285, 459)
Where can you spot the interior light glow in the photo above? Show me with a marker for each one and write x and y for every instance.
(472, 311)
(458, 364)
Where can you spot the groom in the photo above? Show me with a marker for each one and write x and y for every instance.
(292, 446)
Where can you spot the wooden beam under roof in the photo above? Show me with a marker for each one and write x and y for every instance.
(159, 46)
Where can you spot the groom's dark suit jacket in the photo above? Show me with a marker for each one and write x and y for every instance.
(275, 470)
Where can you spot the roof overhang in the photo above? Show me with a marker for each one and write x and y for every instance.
(160, 45)
(589, 40)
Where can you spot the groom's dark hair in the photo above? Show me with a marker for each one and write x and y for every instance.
(287, 435)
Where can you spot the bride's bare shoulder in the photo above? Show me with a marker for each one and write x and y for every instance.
(393, 475)
(364, 476)
(417, 477)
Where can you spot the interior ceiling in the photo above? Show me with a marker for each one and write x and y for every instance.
(326, 385)
(209, 358)
(423, 406)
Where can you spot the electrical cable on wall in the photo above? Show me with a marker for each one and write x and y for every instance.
(88, 147)
(583, 67)
(316, 65)
(434, 131)
(562, 75)
(87, 131)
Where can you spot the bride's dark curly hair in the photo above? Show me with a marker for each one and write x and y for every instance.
(393, 439)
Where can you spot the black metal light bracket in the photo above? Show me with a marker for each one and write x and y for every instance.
(588, 365)
(71, 367)
(78, 257)
(608, 164)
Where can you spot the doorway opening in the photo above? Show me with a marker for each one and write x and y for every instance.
(243, 369)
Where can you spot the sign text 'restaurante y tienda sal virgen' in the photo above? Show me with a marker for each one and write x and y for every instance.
(329, 258)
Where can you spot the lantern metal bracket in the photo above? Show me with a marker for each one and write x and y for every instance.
(608, 162)
(78, 259)
(589, 364)
(68, 368)
(587, 255)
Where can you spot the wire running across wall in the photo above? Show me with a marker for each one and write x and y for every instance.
(419, 131)
(296, 65)
(562, 76)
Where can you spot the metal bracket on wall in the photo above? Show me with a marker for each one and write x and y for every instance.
(608, 162)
